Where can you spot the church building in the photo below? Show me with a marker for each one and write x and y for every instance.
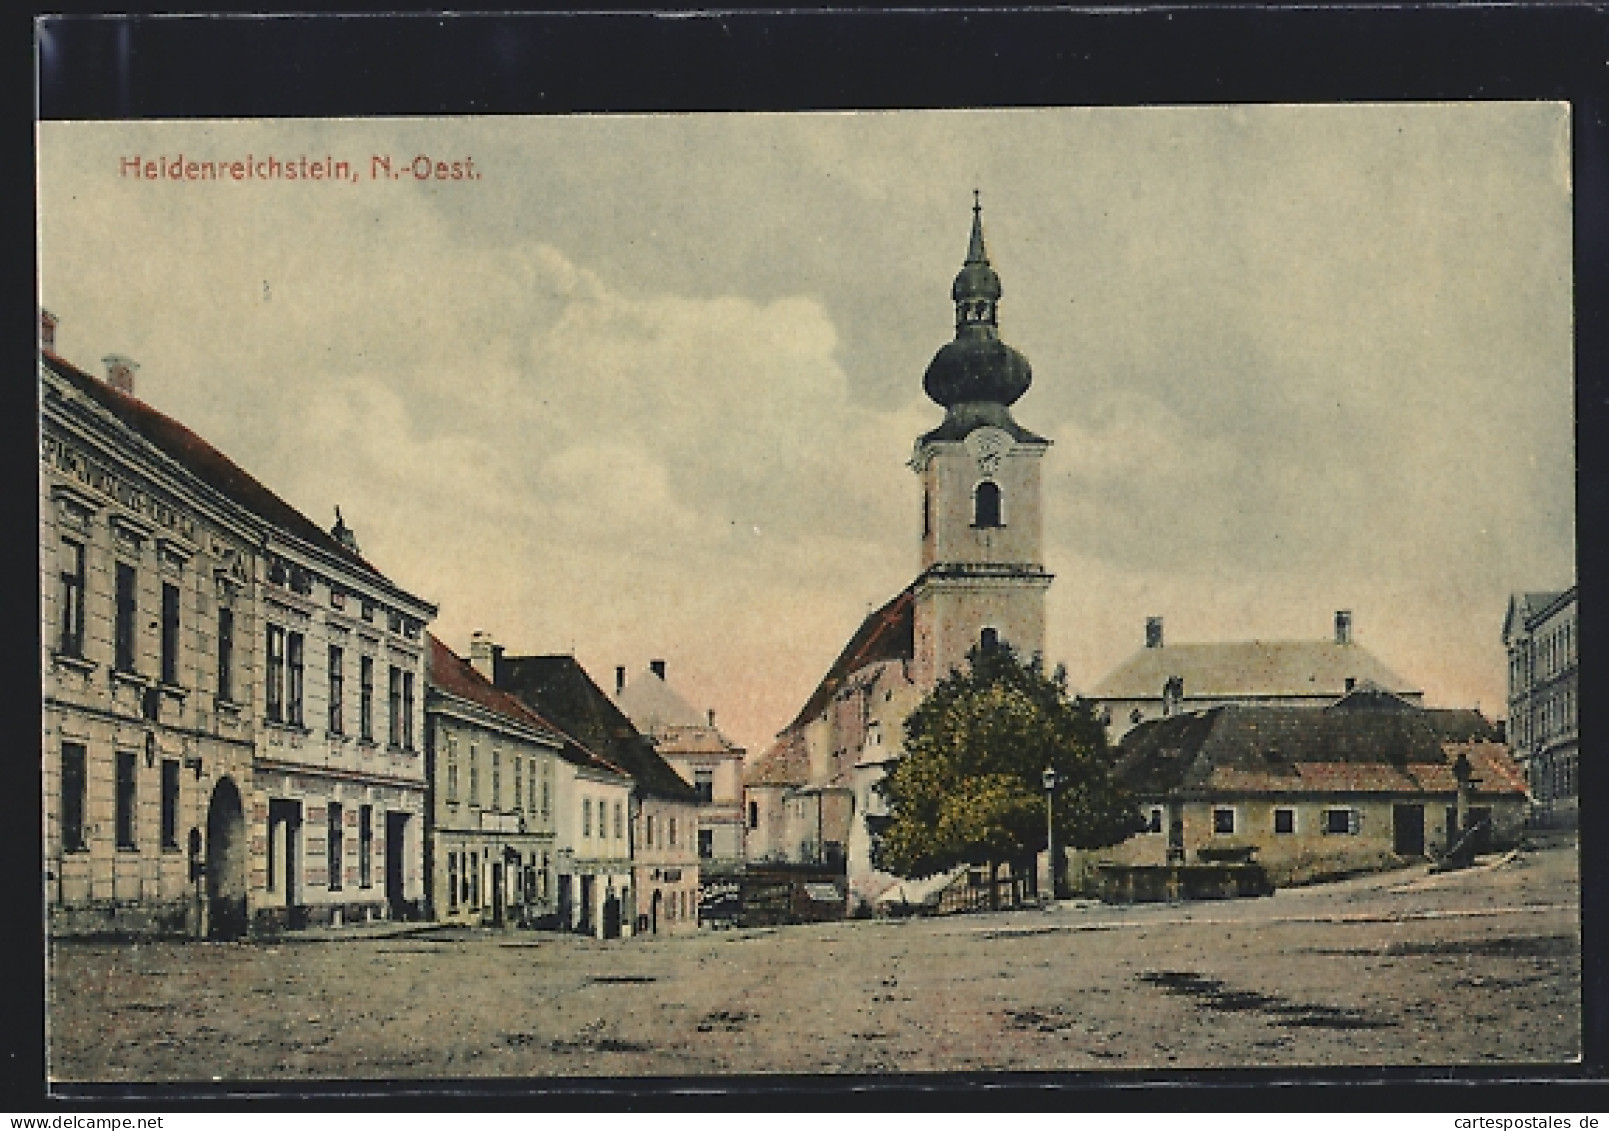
(981, 582)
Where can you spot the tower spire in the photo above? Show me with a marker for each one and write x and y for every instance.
(976, 253)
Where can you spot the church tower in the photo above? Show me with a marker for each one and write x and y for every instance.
(982, 579)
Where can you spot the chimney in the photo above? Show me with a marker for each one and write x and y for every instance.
(483, 654)
(120, 372)
(1343, 626)
(657, 667)
(1172, 695)
(1153, 632)
(47, 331)
(620, 678)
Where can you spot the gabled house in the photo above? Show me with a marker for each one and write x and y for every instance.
(658, 824)
(1359, 784)
(495, 771)
(691, 744)
(1164, 679)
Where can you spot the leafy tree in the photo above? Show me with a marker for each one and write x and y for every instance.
(969, 788)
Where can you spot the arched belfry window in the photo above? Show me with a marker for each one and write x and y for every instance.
(986, 504)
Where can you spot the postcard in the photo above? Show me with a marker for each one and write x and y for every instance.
(1076, 589)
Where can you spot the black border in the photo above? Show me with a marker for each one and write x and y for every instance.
(394, 64)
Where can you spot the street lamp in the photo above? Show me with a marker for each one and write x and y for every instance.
(1050, 824)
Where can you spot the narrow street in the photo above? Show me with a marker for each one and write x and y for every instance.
(1410, 968)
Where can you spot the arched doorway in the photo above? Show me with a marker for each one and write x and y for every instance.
(226, 863)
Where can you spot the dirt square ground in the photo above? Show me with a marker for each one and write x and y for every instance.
(1405, 968)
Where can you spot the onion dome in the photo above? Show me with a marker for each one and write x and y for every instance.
(977, 367)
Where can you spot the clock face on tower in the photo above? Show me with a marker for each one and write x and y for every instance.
(987, 445)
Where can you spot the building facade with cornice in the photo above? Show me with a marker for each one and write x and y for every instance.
(230, 727)
(1542, 636)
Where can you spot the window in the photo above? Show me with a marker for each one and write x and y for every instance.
(1223, 821)
(333, 843)
(704, 785)
(366, 698)
(754, 814)
(474, 774)
(407, 710)
(170, 803)
(337, 682)
(497, 779)
(72, 797)
(125, 800)
(672, 831)
(394, 703)
(531, 808)
(1153, 819)
(586, 816)
(1284, 821)
(226, 654)
(452, 771)
(452, 881)
(72, 599)
(547, 797)
(706, 843)
(620, 821)
(986, 502)
(127, 610)
(276, 674)
(365, 846)
(293, 694)
(1342, 822)
(648, 833)
(170, 633)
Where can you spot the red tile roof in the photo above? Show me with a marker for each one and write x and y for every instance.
(449, 672)
(887, 634)
(205, 462)
(784, 764)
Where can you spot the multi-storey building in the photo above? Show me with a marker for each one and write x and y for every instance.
(492, 765)
(1542, 635)
(230, 691)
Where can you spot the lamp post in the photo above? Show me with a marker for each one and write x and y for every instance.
(1050, 824)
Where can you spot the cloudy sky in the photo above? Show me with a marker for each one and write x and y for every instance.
(647, 387)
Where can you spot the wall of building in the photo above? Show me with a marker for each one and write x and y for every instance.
(492, 823)
(1544, 705)
(1312, 849)
(321, 755)
(182, 743)
(592, 869)
(666, 866)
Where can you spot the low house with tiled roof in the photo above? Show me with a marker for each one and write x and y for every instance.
(658, 823)
(1162, 679)
(231, 692)
(692, 745)
(1366, 781)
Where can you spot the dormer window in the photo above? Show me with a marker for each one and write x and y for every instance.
(986, 505)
